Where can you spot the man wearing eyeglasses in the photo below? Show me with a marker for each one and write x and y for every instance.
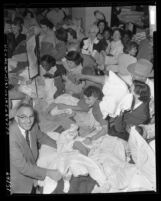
(24, 139)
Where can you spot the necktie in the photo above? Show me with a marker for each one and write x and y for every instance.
(27, 137)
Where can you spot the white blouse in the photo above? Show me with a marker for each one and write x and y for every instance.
(88, 46)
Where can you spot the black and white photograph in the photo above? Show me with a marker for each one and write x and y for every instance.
(81, 106)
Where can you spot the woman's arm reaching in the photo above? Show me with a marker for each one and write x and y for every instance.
(97, 79)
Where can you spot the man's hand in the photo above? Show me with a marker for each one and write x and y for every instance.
(54, 174)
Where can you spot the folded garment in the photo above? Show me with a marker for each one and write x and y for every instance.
(28, 90)
(67, 99)
(66, 139)
(115, 90)
(72, 162)
(80, 184)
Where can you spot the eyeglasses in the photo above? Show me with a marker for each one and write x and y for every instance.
(25, 117)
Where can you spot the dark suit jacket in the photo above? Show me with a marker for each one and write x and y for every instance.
(23, 168)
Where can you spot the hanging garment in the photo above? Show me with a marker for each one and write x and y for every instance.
(32, 57)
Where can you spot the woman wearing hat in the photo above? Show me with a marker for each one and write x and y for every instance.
(142, 71)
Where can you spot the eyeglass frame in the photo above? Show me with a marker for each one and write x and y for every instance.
(25, 117)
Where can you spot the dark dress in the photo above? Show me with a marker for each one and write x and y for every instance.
(135, 117)
(102, 45)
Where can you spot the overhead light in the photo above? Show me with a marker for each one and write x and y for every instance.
(152, 15)
(152, 19)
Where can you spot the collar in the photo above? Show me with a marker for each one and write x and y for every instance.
(24, 135)
(137, 105)
(22, 131)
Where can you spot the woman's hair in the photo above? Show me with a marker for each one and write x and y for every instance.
(133, 29)
(142, 89)
(72, 32)
(102, 21)
(129, 45)
(46, 22)
(119, 30)
(128, 33)
(61, 34)
(18, 22)
(49, 59)
(75, 57)
(28, 11)
(93, 91)
(97, 11)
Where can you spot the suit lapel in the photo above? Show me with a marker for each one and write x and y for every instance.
(33, 142)
(23, 142)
